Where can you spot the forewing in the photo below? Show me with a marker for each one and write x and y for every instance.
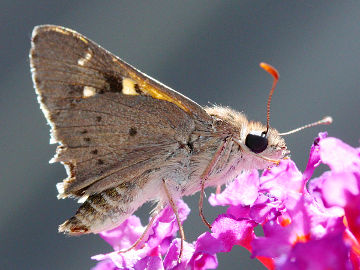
(113, 123)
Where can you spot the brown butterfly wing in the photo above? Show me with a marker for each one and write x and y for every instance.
(112, 122)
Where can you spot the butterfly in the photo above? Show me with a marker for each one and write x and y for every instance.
(126, 139)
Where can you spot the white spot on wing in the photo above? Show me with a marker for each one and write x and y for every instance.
(86, 58)
(82, 199)
(128, 87)
(81, 61)
(88, 91)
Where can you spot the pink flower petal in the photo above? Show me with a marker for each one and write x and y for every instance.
(230, 232)
(282, 179)
(265, 208)
(171, 258)
(243, 190)
(165, 225)
(336, 187)
(124, 235)
(203, 261)
(238, 211)
(314, 158)
(339, 155)
(226, 232)
(124, 260)
(204, 256)
(149, 263)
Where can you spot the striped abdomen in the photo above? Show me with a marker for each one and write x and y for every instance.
(103, 211)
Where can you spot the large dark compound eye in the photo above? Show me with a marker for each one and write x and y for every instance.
(256, 143)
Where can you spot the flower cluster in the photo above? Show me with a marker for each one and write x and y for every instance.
(307, 223)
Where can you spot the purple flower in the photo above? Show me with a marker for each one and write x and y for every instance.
(329, 252)
(311, 218)
(307, 223)
(340, 188)
(154, 245)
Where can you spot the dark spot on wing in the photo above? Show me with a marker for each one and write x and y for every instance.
(94, 152)
(132, 131)
(98, 118)
(114, 82)
(84, 131)
(87, 139)
(100, 162)
(137, 88)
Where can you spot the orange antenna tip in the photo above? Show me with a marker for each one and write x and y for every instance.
(270, 69)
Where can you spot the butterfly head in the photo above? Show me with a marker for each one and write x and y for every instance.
(254, 139)
(265, 143)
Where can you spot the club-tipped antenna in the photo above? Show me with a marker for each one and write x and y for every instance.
(273, 72)
(327, 120)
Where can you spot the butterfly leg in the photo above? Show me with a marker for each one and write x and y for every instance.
(201, 201)
(181, 230)
(204, 177)
(153, 216)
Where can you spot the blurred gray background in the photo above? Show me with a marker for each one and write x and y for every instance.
(207, 50)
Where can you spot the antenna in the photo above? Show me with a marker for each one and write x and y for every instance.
(273, 72)
(327, 120)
